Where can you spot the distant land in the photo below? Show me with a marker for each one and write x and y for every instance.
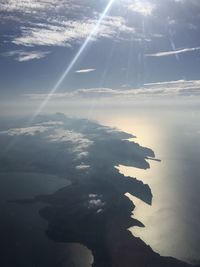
(93, 209)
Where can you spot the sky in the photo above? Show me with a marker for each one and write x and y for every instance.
(106, 48)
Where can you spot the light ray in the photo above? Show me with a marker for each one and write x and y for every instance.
(72, 63)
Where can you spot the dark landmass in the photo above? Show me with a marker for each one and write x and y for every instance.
(97, 215)
(93, 210)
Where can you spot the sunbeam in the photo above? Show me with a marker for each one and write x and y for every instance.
(73, 62)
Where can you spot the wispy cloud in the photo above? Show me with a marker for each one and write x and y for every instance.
(61, 32)
(32, 130)
(85, 70)
(143, 7)
(42, 27)
(173, 52)
(28, 6)
(21, 55)
(171, 88)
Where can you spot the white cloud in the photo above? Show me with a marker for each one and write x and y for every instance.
(180, 88)
(34, 6)
(95, 203)
(169, 88)
(173, 52)
(81, 142)
(82, 154)
(51, 123)
(85, 70)
(66, 32)
(22, 5)
(82, 167)
(63, 135)
(93, 195)
(143, 7)
(32, 130)
(21, 55)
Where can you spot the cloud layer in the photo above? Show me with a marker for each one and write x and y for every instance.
(160, 89)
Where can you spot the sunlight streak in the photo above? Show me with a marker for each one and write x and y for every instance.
(70, 66)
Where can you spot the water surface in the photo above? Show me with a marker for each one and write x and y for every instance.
(172, 222)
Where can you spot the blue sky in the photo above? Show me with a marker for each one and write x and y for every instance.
(137, 43)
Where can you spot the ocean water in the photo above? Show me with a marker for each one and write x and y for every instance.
(23, 238)
(172, 221)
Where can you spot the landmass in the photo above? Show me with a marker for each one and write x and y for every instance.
(93, 210)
